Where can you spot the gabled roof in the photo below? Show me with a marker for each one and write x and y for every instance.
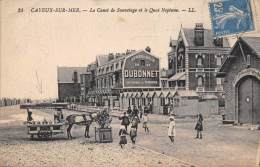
(254, 43)
(66, 74)
(251, 42)
(208, 38)
(102, 59)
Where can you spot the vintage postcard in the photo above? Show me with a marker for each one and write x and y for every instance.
(130, 83)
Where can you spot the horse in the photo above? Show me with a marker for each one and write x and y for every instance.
(82, 121)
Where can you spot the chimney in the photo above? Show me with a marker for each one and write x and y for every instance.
(199, 34)
(148, 49)
(218, 42)
(110, 56)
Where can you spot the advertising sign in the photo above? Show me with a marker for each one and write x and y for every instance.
(141, 70)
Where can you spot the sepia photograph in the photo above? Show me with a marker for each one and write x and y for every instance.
(130, 83)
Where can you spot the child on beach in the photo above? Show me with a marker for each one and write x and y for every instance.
(133, 134)
(122, 134)
(145, 126)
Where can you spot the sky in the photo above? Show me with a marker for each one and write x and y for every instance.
(34, 44)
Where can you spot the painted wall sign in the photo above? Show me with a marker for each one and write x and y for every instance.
(141, 70)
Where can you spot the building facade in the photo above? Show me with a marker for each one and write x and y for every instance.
(196, 58)
(117, 73)
(69, 83)
(241, 73)
(88, 83)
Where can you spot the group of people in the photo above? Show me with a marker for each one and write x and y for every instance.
(133, 118)
(172, 126)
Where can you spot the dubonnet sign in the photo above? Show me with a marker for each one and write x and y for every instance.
(141, 70)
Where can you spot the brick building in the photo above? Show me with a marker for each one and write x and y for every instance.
(88, 83)
(69, 83)
(195, 60)
(241, 73)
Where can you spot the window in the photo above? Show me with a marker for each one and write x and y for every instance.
(200, 81)
(199, 61)
(218, 81)
(142, 62)
(218, 60)
(248, 61)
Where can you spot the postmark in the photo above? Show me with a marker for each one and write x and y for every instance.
(231, 17)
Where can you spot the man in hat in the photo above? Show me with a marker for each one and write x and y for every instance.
(171, 129)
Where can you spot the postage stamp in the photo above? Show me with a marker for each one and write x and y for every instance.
(231, 17)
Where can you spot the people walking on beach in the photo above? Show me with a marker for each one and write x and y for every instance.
(129, 111)
(135, 122)
(70, 119)
(29, 116)
(199, 126)
(146, 110)
(88, 123)
(171, 129)
(135, 112)
(124, 120)
(122, 134)
(150, 107)
(145, 123)
(133, 134)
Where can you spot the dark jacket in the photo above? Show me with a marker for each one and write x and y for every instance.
(125, 120)
(199, 125)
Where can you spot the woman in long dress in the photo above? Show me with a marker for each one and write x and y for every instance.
(122, 134)
(171, 130)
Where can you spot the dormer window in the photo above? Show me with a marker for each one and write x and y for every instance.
(218, 42)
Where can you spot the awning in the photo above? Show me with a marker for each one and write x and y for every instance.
(133, 95)
(127, 95)
(171, 94)
(163, 94)
(144, 94)
(178, 76)
(138, 95)
(149, 95)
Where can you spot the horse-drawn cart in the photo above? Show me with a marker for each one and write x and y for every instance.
(45, 131)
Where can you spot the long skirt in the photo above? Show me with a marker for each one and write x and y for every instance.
(123, 140)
